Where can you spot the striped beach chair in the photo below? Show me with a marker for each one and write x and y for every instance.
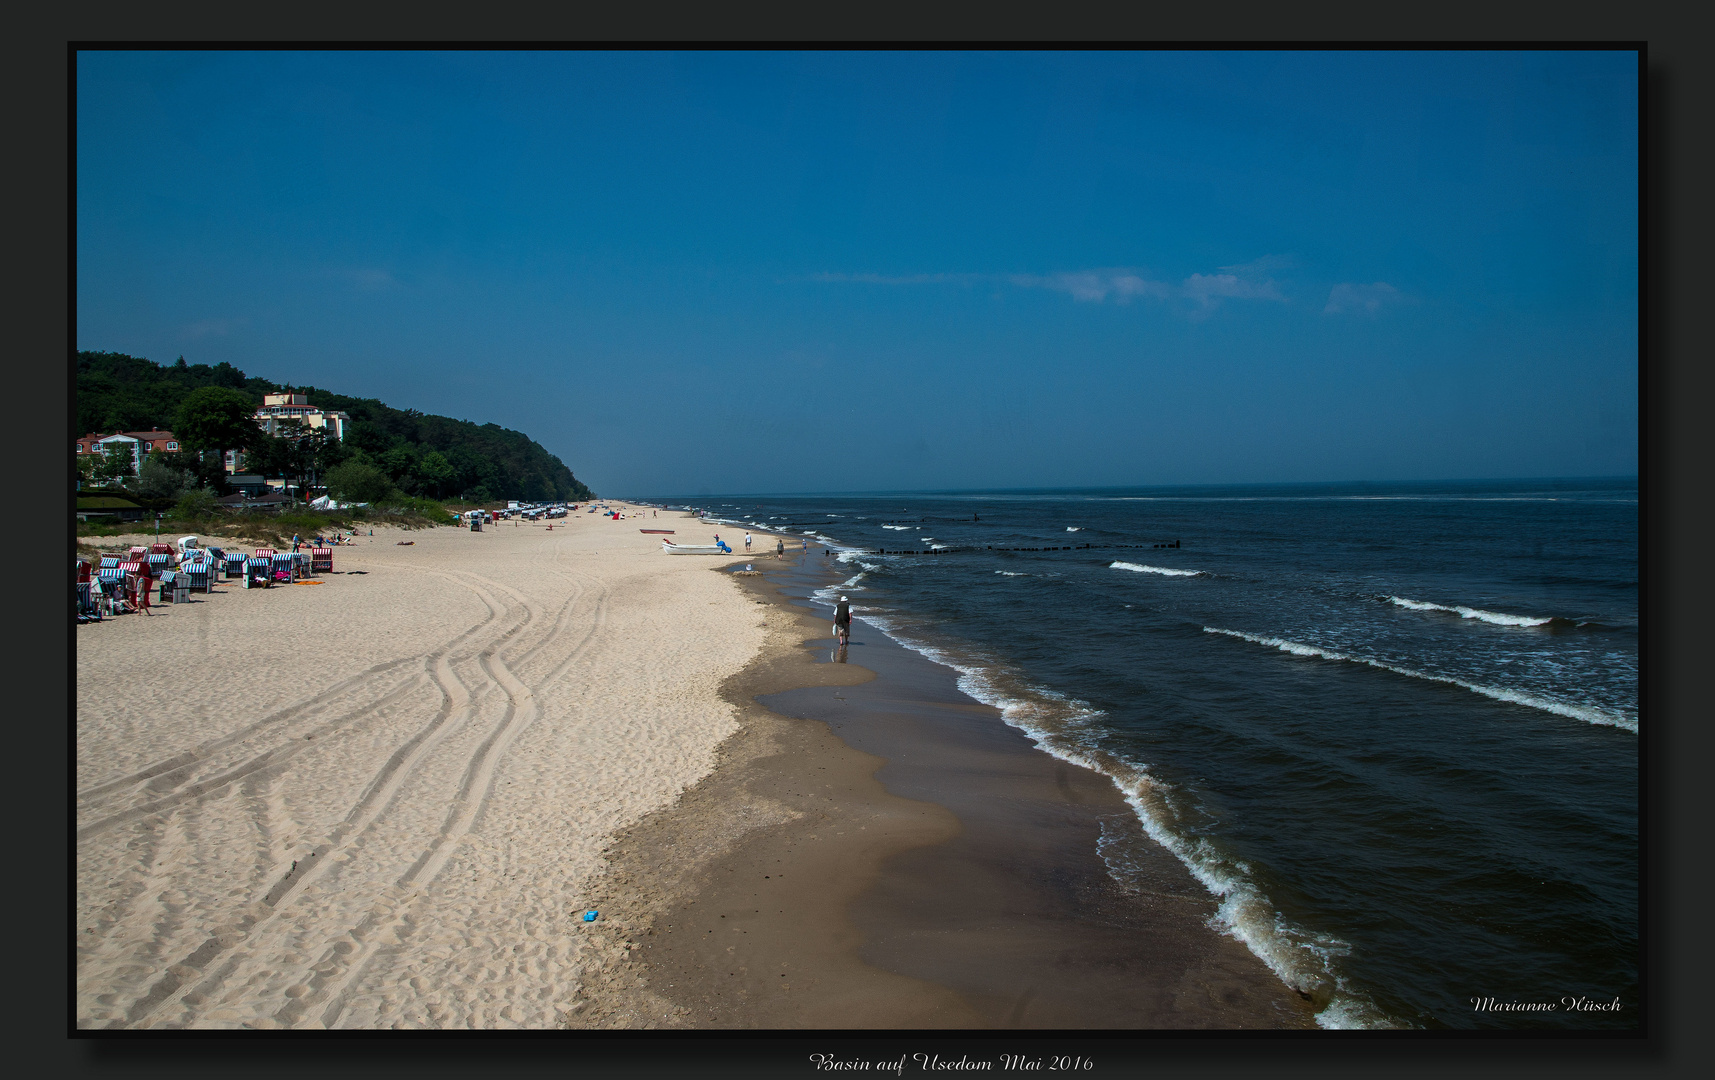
(89, 601)
(108, 587)
(285, 566)
(159, 561)
(235, 563)
(172, 588)
(265, 551)
(130, 573)
(198, 574)
(108, 562)
(321, 560)
(258, 572)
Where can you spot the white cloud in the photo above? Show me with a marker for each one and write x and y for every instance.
(1207, 289)
(1348, 297)
(1095, 286)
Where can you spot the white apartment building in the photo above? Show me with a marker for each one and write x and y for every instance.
(277, 409)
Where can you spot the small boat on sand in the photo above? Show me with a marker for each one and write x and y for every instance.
(670, 548)
(655, 530)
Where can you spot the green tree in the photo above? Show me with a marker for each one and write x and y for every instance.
(115, 463)
(216, 418)
(435, 473)
(358, 481)
(161, 479)
(194, 504)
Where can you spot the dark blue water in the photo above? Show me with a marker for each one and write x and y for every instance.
(1393, 727)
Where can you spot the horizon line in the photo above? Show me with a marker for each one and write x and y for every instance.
(1634, 477)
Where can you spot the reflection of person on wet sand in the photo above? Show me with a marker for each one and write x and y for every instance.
(843, 621)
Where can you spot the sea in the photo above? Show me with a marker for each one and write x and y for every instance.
(1392, 728)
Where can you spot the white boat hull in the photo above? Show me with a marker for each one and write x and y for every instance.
(692, 549)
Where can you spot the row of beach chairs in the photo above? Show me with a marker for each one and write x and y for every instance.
(112, 587)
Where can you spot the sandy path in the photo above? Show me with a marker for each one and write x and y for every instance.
(374, 802)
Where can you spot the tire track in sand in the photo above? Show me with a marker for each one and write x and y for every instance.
(475, 788)
(346, 961)
(455, 712)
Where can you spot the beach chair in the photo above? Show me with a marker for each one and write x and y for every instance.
(136, 553)
(321, 560)
(300, 565)
(159, 561)
(104, 588)
(89, 601)
(173, 588)
(265, 552)
(108, 562)
(235, 562)
(258, 572)
(198, 574)
(285, 567)
(130, 574)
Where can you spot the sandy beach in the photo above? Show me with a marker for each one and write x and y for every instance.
(386, 799)
(380, 800)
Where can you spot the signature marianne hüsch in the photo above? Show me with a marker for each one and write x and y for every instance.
(1570, 1003)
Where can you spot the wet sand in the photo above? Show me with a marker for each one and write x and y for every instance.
(877, 850)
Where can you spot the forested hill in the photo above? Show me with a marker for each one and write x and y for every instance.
(434, 456)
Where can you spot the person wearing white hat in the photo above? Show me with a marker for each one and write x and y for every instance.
(843, 620)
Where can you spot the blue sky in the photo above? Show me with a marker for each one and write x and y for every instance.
(854, 271)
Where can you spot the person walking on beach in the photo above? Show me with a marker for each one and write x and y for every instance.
(747, 542)
(780, 547)
(843, 621)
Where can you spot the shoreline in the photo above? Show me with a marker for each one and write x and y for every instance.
(386, 802)
(983, 904)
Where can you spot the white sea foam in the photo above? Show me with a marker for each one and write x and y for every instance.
(1055, 724)
(1009, 573)
(1494, 617)
(1074, 528)
(898, 528)
(1136, 568)
(1590, 714)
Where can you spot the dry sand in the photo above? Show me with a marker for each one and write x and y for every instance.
(382, 800)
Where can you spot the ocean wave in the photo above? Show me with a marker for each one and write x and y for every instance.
(1009, 573)
(1587, 713)
(1074, 528)
(898, 528)
(1495, 617)
(1136, 568)
(1068, 729)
